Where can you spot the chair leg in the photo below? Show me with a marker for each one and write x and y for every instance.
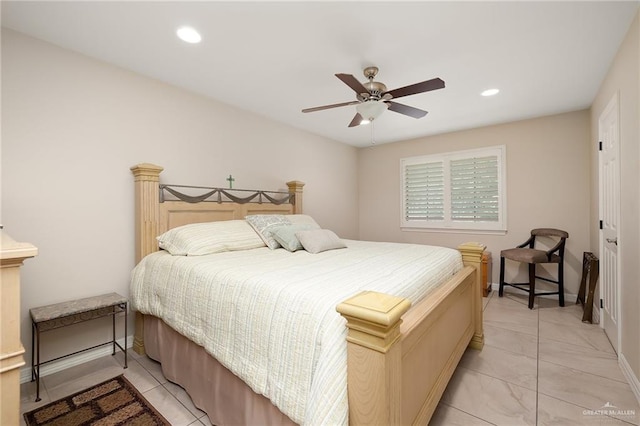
(532, 284)
(561, 284)
(501, 289)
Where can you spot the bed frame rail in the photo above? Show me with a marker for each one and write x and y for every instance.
(400, 360)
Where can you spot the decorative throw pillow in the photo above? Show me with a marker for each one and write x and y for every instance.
(286, 235)
(319, 240)
(262, 224)
(198, 239)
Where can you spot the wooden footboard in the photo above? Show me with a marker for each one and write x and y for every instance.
(399, 359)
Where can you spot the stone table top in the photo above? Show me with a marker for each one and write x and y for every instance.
(72, 307)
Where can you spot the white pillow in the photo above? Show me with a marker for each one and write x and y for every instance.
(303, 219)
(286, 235)
(319, 240)
(262, 224)
(198, 239)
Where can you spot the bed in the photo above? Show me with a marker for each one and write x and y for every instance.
(398, 356)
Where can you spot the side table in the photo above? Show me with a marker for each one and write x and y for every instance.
(58, 315)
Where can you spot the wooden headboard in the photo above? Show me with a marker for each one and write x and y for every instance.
(155, 215)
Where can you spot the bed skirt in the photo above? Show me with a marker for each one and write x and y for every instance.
(225, 398)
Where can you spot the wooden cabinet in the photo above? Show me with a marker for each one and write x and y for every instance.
(12, 254)
(486, 273)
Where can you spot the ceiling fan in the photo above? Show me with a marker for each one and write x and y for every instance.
(373, 98)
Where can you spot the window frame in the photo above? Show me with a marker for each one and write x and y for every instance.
(447, 224)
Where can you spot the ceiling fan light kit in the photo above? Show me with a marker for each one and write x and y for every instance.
(373, 98)
(371, 110)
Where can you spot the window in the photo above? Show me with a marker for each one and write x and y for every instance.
(462, 190)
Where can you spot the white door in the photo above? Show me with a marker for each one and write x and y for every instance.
(609, 135)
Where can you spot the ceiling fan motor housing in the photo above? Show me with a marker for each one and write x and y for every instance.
(375, 88)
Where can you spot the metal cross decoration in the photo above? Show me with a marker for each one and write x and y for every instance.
(231, 180)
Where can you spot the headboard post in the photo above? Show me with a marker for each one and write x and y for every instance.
(295, 188)
(147, 216)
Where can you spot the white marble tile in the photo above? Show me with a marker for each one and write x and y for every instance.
(508, 366)
(581, 358)
(140, 377)
(449, 416)
(512, 341)
(569, 314)
(485, 300)
(584, 389)
(154, 368)
(205, 420)
(107, 364)
(512, 316)
(553, 412)
(28, 396)
(181, 395)
(512, 298)
(580, 334)
(490, 399)
(170, 408)
(81, 376)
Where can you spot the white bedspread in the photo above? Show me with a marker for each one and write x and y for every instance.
(269, 315)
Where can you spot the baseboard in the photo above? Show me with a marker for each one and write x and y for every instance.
(630, 376)
(72, 361)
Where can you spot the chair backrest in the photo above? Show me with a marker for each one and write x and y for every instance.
(550, 232)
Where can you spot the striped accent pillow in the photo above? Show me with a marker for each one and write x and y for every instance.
(198, 239)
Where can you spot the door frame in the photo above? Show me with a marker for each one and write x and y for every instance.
(614, 103)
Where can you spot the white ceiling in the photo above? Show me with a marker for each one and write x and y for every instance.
(276, 58)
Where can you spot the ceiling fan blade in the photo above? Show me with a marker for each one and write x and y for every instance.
(406, 110)
(425, 86)
(357, 119)
(352, 82)
(320, 108)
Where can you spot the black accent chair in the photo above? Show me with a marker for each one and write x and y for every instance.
(526, 253)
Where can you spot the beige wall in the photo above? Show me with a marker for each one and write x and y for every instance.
(624, 78)
(72, 127)
(547, 186)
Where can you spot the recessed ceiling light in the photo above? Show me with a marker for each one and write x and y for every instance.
(490, 92)
(189, 35)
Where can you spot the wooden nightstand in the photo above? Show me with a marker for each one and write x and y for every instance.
(486, 273)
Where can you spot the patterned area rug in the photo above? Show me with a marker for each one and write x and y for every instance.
(114, 402)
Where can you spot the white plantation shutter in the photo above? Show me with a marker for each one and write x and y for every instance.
(455, 191)
(424, 191)
(474, 189)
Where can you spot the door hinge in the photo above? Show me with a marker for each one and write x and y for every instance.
(600, 224)
(600, 146)
(601, 304)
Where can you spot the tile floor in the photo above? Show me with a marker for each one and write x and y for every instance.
(538, 367)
